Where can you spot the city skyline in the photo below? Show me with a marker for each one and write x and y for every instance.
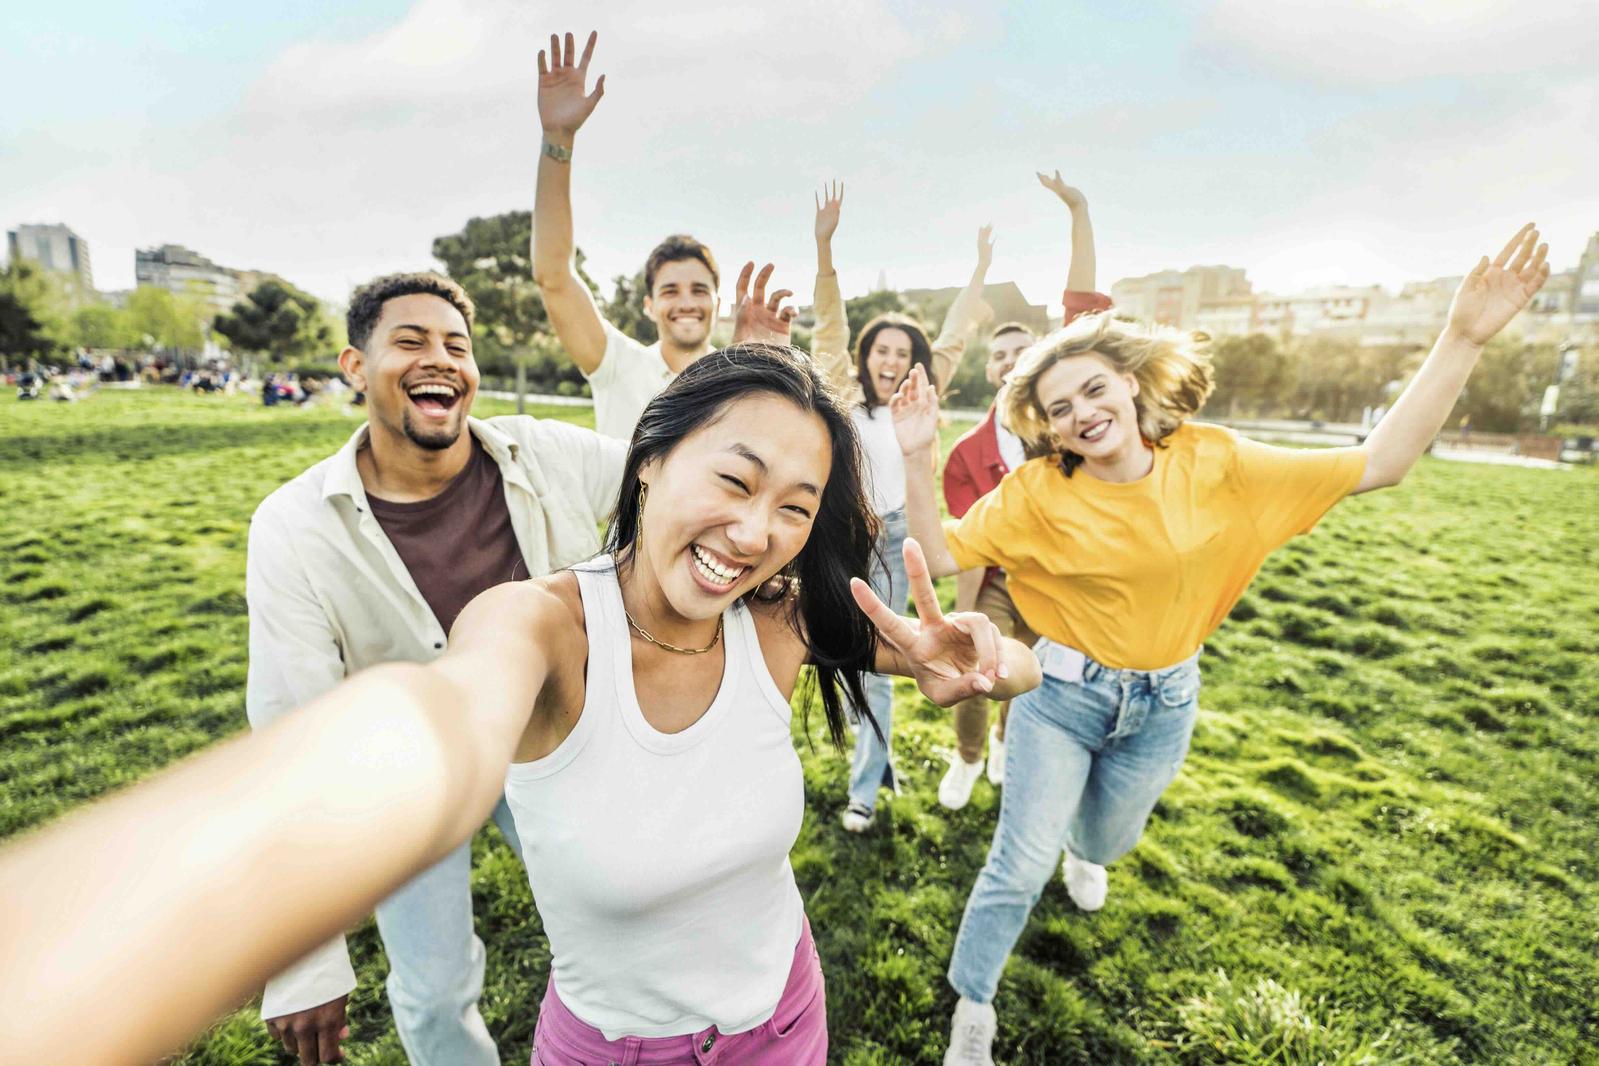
(1378, 142)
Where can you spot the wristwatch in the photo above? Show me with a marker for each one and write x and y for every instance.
(556, 152)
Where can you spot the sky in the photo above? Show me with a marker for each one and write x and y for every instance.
(1334, 141)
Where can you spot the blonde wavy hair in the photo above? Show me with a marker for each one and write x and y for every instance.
(1172, 369)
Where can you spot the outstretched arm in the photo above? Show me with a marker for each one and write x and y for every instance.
(169, 903)
(968, 312)
(915, 410)
(830, 337)
(1488, 298)
(952, 657)
(1080, 271)
(563, 108)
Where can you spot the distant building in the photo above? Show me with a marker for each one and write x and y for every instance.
(183, 270)
(1174, 297)
(53, 247)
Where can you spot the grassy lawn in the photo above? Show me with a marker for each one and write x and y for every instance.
(1383, 849)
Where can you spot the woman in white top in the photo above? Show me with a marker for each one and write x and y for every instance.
(640, 704)
(888, 346)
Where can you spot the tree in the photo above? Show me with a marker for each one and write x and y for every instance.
(491, 258)
(279, 321)
(625, 310)
(100, 325)
(862, 309)
(168, 319)
(1252, 372)
(31, 323)
(1504, 391)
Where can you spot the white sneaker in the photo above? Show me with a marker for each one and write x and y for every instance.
(971, 1035)
(996, 757)
(1086, 882)
(956, 788)
(856, 818)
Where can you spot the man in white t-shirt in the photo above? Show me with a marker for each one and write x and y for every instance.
(680, 276)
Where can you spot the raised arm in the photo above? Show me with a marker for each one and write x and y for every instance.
(830, 337)
(965, 315)
(952, 657)
(915, 410)
(1488, 298)
(563, 108)
(1080, 271)
(167, 904)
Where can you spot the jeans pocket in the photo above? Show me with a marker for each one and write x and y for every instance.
(1181, 688)
(788, 1018)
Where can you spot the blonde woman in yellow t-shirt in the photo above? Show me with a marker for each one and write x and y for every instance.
(1126, 542)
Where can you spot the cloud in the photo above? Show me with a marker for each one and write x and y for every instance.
(1362, 43)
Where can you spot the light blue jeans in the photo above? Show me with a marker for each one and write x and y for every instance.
(1085, 762)
(436, 960)
(872, 767)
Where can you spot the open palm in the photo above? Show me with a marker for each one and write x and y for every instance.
(563, 104)
(1494, 293)
(915, 411)
(953, 657)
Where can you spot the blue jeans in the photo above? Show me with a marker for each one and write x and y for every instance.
(872, 766)
(436, 960)
(1085, 762)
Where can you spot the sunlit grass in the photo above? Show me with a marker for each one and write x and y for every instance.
(1384, 847)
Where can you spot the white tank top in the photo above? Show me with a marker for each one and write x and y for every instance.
(659, 861)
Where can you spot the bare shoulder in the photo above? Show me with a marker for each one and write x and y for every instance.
(544, 608)
(781, 631)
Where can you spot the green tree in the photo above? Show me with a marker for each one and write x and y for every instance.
(32, 313)
(100, 325)
(625, 309)
(862, 309)
(491, 258)
(170, 320)
(1504, 391)
(1253, 376)
(279, 321)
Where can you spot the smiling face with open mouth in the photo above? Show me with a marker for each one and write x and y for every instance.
(888, 361)
(730, 506)
(418, 371)
(683, 303)
(1089, 404)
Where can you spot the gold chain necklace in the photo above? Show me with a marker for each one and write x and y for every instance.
(673, 647)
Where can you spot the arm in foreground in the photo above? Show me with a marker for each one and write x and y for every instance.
(952, 657)
(563, 108)
(1488, 298)
(160, 908)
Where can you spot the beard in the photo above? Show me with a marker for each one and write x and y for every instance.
(437, 440)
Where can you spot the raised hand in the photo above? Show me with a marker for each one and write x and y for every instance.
(757, 318)
(1493, 293)
(915, 411)
(828, 203)
(563, 104)
(1072, 197)
(952, 657)
(985, 246)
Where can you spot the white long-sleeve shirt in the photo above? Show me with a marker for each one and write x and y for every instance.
(328, 595)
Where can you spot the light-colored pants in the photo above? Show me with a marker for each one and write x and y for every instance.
(971, 716)
(872, 767)
(1085, 762)
(436, 960)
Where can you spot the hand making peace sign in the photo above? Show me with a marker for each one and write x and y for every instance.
(951, 656)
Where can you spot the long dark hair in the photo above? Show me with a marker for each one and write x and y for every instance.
(921, 350)
(842, 642)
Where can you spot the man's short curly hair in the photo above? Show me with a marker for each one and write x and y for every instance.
(366, 303)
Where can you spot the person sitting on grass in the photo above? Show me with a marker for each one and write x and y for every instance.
(977, 462)
(367, 558)
(1125, 545)
(680, 275)
(634, 709)
(889, 345)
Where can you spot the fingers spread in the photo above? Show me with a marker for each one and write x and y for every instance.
(741, 288)
(588, 49)
(1510, 247)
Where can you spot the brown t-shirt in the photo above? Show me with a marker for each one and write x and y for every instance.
(458, 543)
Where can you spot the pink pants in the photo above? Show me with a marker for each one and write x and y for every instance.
(796, 1034)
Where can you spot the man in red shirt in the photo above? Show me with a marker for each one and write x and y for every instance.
(983, 456)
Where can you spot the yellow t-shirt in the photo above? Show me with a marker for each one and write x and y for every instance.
(1136, 575)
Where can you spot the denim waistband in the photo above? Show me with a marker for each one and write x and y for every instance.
(1094, 670)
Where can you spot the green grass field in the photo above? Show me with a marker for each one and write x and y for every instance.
(1383, 849)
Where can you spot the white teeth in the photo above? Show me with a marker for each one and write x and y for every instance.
(1096, 432)
(432, 390)
(715, 572)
